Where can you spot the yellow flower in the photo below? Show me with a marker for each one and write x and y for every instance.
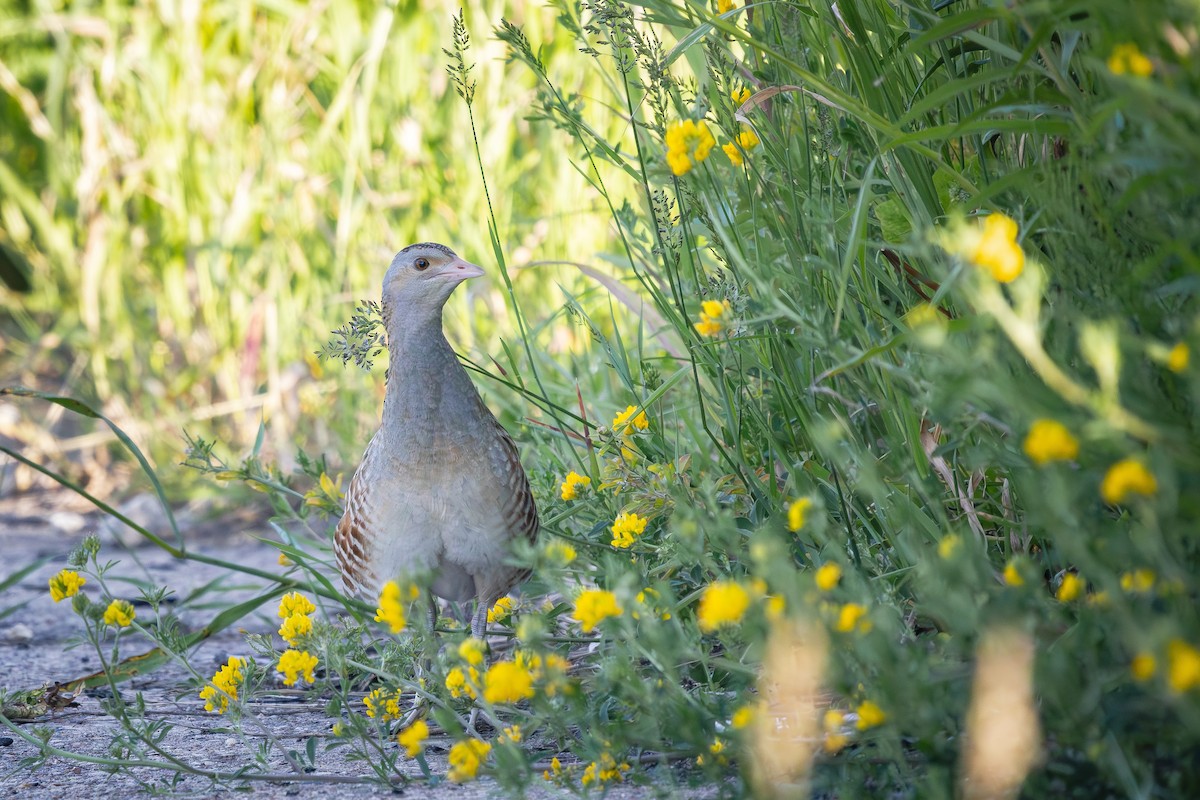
(1128, 59)
(747, 140)
(688, 143)
(283, 559)
(1049, 440)
(501, 611)
(412, 738)
(869, 715)
(65, 584)
(739, 96)
(561, 552)
(712, 317)
(724, 6)
(458, 684)
(949, 545)
(835, 739)
(628, 420)
(507, 682)
(571, 484)
(625, 527)
(556, 770)
(742, 717)
(647, 597)
(391, 607)
(294, 627)
(472, 650)
(294, 603)
(797, 512)
(850, 616)
(594, 605)
(995, 248)
(775, 607)
(723, 603)
(1012, 575)
(828, 576)
(224, 686)
(383, 704)
(1127, 477)
(1177, 359)
(466, 758)
(1071, 587)
(511, 735)
(606, 770)
(295, 663)
(1143, 667)
(1183, 666)
(1138, 581)
(119, 613)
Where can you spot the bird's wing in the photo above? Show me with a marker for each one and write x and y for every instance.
(353, 539)
(518, 508)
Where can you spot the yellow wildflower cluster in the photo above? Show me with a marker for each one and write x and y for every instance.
(1143, 667)
(1183, 666)
(688, 143)
(119, 613)
(412, 738)
(742, 718)
(646, 599)
(746, 140)
(472, 651)
(870, 715)
(606, 770)
(1071, 587)
(294, 609)
(462, 683)
(65, 584)
(296, 663)
(851, 617)
(1139, 581)
(828, 576)
(625, 527)
(595, 605)
(1049, 440)
(1012, 574)
(550, 672)
(466, 759)
(328, 492)
(224, 686)
(383, 704)
(1126, 477)
(739, 96)
(392, 602)
(723, 603)
(1178, 357)
(713, 317)
(560, 552)
(508, 682)
(1127, 59)
(949, 546)
(797, 513)
(724, 6)
(501, 611)
(833, 724)
(994, 247)
(630, 421)
(572, 484)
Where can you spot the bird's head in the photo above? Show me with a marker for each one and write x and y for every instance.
(422, 277)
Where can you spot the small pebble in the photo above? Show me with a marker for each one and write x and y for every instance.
(16, 634)
(6, 741)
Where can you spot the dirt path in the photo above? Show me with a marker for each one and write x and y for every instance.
(36, 648)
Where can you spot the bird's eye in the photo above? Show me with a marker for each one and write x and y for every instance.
(421, 264)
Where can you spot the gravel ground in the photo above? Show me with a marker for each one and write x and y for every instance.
(36, 649)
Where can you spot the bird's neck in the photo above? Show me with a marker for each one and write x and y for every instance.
(426, 385)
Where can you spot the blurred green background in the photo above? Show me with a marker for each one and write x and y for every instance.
(202, 191)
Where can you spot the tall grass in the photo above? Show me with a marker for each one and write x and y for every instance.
(897, 514)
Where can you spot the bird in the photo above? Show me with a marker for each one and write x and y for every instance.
(440, 493)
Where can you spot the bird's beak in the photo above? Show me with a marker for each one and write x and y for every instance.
(460, 271)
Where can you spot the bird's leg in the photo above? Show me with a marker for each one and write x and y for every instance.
(424, 667)
(479, 631)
